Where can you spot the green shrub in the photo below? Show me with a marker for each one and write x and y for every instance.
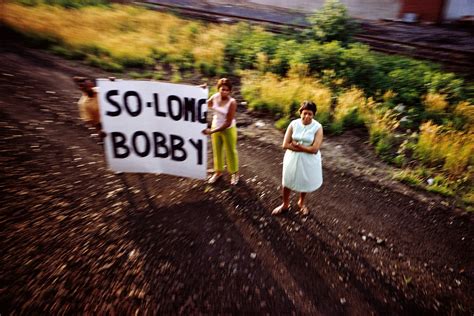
(185, 61)
(399, 160)
(440, 189)
(134, 61)
(283, 95)
(384, 147)
(447, 84)
(352, 120)
(336, 128)
(176, 75)
(360, 68)
(283, 123)
(408, 177)
(103, 64)
(134, 75)
(141, 75)
(468, 198)
(280, 63)
(69, 4)
(41, 40)
(158, 55)
(28, 2)
(332, 23)
(159, 75)
(409, 86)
(92, 49)
(320, 56)
(207, 69)
(242, 47)
(324, 118)
(67, 52)
(259, 105)
(375, 136)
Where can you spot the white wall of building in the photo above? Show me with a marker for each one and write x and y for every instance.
(456, 9)
(364, 9)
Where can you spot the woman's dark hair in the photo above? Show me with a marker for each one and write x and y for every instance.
(82, 80)
(308, 105)
(85, 84)
(224, 82)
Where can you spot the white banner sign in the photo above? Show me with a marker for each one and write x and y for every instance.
(154, 127)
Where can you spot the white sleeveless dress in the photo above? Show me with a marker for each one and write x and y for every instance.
(302, 172)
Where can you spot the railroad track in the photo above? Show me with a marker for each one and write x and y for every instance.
(444, 55)
(457, 60)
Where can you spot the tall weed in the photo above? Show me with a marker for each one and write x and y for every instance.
(70, 4)
(346, 112)
(130, 36)
(452, 150)
(465, 111)
(435, 102)
(284, 95)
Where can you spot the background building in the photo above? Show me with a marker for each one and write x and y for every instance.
(419, 10)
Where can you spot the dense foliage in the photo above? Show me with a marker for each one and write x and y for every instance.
(332, 23)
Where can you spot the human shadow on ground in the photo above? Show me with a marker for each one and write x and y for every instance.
(366, 289)
(309, 278)
(196, 260)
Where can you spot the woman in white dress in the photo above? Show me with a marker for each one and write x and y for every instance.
(302, 170)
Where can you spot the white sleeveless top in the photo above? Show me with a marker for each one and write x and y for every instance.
(220, 112)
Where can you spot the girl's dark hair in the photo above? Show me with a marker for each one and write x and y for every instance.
(308, 105)
(224, 82)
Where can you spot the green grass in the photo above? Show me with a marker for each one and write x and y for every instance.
(283, 123)
(440, 189)
(408, 177)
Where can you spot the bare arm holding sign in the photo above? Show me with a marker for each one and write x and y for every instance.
(224, 131)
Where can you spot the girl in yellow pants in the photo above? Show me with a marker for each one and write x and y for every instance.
(224, 132)
(225, 140)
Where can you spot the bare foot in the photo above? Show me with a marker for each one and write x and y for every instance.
(234, 179)
(300, 204)
(280, 209)
(214, 178)
(304, 209)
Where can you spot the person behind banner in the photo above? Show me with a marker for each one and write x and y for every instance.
(223, 132)
(302, 170)
(88, 103)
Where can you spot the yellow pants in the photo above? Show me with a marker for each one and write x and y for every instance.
(226, 139)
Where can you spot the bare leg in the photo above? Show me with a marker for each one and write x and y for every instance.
(304, 209)
(286, 197)
(301, 199)
(286, 202)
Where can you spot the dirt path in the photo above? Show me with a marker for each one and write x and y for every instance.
(78, 238)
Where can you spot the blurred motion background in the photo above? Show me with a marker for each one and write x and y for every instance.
(392, 231)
